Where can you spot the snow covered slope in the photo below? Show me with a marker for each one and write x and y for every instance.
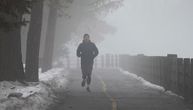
(36, 96)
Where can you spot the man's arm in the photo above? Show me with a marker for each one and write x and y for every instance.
(78, 51)
(96, 52)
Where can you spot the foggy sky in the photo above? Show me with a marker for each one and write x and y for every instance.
(152, 27)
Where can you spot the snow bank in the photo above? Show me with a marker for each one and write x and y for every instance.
(36, 96)
(149, 84)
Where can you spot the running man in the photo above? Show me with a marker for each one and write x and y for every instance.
(87, 51)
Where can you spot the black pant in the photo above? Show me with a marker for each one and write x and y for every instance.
(86, 68)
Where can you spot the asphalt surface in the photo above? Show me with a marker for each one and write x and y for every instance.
(113, 90)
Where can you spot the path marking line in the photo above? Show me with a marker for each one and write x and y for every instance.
(113, 100)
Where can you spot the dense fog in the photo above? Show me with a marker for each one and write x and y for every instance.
(152, 27)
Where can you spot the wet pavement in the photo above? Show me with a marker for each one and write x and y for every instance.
(113, 90)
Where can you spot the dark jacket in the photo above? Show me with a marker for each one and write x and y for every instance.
(87, 51)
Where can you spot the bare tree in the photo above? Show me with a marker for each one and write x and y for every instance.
(11, 12)
(50, 37)
(33, 42)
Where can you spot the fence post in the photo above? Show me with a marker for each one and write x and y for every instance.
(135, 65)
(112, 61)
(187, 79)
(174, 74)
(180, 63)
(117, 61)
(171, 72)
(148, 68)
(102, 61)
(107, 60)
(155, 70)
(162, 70)
(158, 60)
(151, 69)
(143, 58)
(191, 83)
(128, 60)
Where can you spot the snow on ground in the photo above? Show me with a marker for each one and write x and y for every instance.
(36, 96)
(149, 84)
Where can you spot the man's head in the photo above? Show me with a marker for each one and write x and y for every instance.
(86, 38)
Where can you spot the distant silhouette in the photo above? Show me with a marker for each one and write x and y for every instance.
(87, 51)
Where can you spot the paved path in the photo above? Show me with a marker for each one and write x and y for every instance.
(113, 90)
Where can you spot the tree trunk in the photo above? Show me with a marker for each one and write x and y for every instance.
(11, 66)
(33, 42)
(50, 35)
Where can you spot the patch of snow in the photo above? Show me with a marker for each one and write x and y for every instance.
(144, 82)
(55, 77)
(36, 96)
(173, 94)
(149, 84)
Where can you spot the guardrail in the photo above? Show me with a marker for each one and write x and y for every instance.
(101, 61)
(175, 74)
